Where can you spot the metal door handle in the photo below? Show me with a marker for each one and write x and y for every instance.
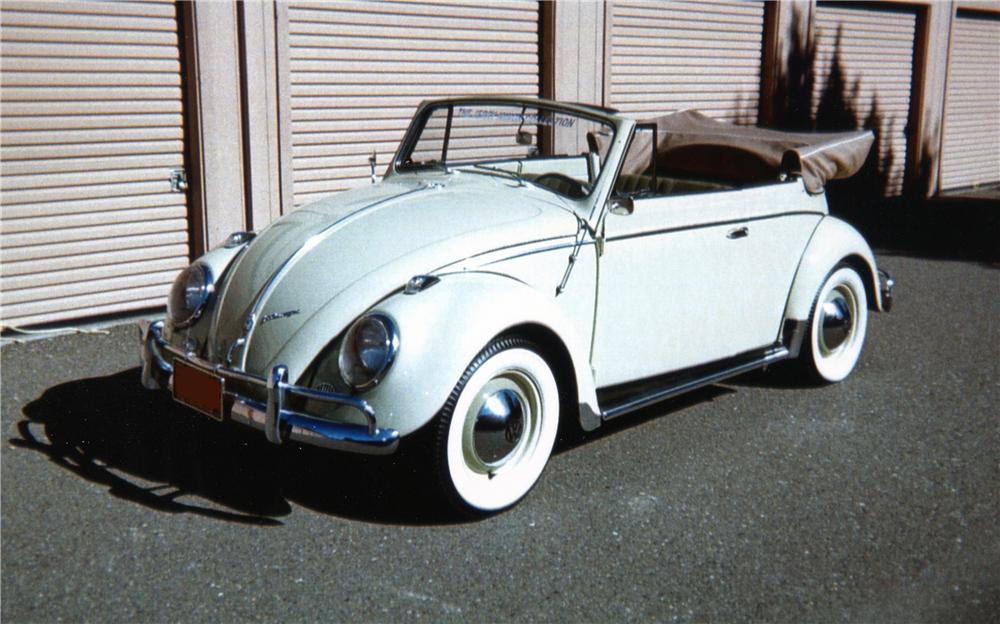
(742, 232)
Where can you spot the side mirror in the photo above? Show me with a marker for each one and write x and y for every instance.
(524, 137)
(622, 206)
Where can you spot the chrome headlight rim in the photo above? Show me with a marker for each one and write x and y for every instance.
(390, 345)
(207, 290)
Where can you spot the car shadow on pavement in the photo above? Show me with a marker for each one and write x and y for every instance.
(788, 374)
(148, 450)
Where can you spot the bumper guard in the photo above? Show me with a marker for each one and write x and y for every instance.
(273, 417)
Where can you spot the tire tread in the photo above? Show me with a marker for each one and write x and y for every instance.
(442, 422)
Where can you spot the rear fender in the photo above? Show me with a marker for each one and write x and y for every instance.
(833, 241)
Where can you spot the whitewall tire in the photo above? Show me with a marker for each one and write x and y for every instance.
(837, 326)
(496, 431)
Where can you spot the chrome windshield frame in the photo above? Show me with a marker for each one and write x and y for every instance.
(426, 108)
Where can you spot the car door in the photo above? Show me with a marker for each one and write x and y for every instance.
(780, 221)
(673, 286)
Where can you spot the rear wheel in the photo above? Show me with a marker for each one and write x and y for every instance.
(837, 326)
(496, 431)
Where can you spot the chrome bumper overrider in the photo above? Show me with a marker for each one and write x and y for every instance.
(273, 417)
(885, 288)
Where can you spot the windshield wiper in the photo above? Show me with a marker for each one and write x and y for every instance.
(428, 164)
(507, 173)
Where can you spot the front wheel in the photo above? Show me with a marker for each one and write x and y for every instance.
(837, 326)
(496, 431)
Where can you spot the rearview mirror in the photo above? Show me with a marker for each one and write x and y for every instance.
(623, 206)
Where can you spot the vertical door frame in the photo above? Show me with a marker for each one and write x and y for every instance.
(237, 106)
(260, 93)
(952, 17)
(214, 123)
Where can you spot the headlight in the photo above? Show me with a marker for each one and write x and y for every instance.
(367, 351)
(189, 294)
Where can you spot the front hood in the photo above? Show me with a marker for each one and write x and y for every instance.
(369, 242)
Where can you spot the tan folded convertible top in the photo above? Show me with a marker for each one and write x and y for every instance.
(694, 144)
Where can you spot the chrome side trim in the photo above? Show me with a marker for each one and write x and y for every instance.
(570, 243)
(709, 224)
(273, 417)
(772, 355)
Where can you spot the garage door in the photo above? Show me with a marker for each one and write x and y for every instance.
(971, 152)
(864, 70)
(91, 129)
(358, 71)
(668, 56)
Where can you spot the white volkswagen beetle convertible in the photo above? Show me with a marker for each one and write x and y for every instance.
(523, 264)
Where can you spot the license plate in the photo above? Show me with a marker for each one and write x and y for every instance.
(197, 389)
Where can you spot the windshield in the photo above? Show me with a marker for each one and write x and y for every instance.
(560, 151)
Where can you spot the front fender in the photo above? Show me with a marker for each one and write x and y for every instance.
(832, 242)
(444, 327)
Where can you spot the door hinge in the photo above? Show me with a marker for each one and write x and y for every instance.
(178, 181)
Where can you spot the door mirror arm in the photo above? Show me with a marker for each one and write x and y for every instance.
(622, 206)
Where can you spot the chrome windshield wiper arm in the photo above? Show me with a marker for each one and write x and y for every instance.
(513, 175)
(429, 164)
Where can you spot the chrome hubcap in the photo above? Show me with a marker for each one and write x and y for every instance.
(836, 321)
(499, 425)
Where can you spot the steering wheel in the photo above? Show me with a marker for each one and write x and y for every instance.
(563, 184)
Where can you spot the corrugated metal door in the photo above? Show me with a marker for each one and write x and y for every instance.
(864, 75)
(971, 151)
(669, 56)
(91, 129)
(358, 70)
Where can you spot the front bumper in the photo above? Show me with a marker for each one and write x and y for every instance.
(278, 422)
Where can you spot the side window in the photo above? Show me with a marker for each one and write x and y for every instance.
(649, 172)
(638, 176)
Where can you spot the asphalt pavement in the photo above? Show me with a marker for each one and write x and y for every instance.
(873, 500)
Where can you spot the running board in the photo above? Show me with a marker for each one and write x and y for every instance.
(645, 399)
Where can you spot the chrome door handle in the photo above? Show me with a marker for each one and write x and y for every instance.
(742, 232)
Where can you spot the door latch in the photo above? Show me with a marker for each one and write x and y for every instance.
(178, 181)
